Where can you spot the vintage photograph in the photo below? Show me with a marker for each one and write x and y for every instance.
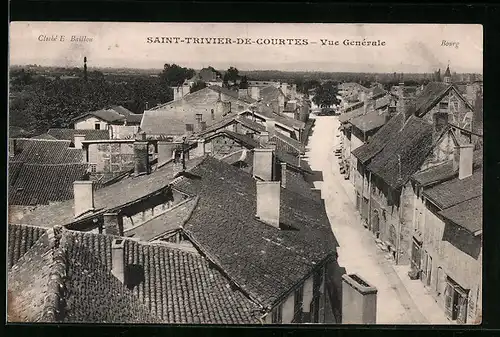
(245, 173)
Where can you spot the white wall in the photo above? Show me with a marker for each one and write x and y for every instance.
(288, 309)
(89, 123)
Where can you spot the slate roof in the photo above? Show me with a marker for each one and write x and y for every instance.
(162, 284)
(428, 98)
(69, 134)
(467, 214)
(37, 184)
(380, 139)
(455, 191)
(109, 197)
(172, 219)
(368, 122)
(264, 261)
(404, 154)
(43, 151)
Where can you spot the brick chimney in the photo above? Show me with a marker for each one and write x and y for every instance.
(113, 224)
(83, 191)
(268, 202)
(263, 163)
(78, 138)
(440, 121)
(141, 154)
(463, 160)
(255, 93)
(118, 259)
(283, 175)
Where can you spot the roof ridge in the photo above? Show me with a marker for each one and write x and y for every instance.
(56, 285)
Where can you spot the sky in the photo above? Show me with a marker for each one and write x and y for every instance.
(408, 48)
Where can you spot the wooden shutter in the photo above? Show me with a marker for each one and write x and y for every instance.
(448, 301)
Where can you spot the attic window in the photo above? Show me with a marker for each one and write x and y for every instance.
(443, 105)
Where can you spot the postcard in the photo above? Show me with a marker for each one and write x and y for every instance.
(245, 173)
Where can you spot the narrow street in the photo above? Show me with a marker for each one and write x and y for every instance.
(357, 252)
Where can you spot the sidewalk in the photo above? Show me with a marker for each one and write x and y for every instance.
(422, 298)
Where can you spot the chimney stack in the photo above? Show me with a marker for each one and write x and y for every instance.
(264, 138)
(255, 93)
(199, 151)
(283, 175)
(165, 151)
(440, 121)
(271, 127)
(141, 154)
(78, 138)
(118, 259)
(263, 163)
(268, 202)
(113, 224)
(463, 160)
(83, 191)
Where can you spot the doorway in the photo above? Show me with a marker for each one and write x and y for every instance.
(455, 301)
(376, 223)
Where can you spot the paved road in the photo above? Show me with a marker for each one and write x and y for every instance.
(357, 252)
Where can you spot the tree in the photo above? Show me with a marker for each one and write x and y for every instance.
(232, 74)
(174, 75)
(326, 94)
(244, 83)
(198, 85)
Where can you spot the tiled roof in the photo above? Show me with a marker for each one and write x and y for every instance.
(295, 182)
(347, 116)
(428, 98)
(231, 93)
(467, 214)
(20, 239)
(113, 114)
(162, 284)
(443, 171)
(14, 168)
(284, 120)
(264, 261)
(69, 134)
(249, 142)
(42, 151)
(109, 197)
(130, 117)
(383, 136)
(270, 93)
(382, 102)
(377, 92)
(172, 219)
(455, 191)
(287, 144)
(37, 184)
(251, 124)
(44, 136)
(404, 154)
(370, 121)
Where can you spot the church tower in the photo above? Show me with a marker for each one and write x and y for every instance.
(447, 75)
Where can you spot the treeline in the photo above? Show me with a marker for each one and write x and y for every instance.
(38, 103)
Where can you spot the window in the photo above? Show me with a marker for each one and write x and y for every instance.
(443, 105)
(277, 314)
(97, 126)
(189, 127)
(212, 113)
(93, 168)
(199, 117)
